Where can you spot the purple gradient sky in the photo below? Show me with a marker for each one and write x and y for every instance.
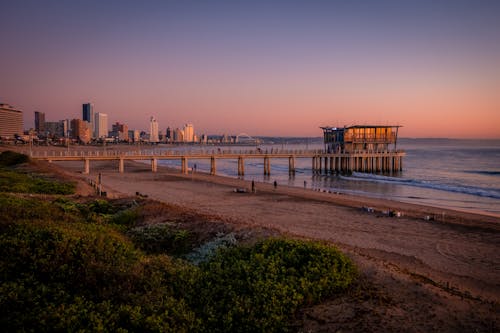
(260, 67)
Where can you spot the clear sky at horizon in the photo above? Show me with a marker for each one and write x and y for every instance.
(279, 68)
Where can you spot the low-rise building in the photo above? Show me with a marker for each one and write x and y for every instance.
(359, 138)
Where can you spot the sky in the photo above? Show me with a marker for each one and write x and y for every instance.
(268, 68)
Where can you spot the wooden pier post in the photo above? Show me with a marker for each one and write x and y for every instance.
(241, 166)
(313, 164)
(121, 164)
(184, 165)
(154, 165)
(291, 165)
(212, 166)
(267, 166)
(86, 166)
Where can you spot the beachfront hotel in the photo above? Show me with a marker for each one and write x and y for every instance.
(11, 121)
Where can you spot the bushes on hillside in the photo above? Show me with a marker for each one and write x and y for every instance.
(10, 158)
(61, 272)
(15, 181)
(247, 289)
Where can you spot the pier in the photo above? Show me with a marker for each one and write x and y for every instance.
(387, 161)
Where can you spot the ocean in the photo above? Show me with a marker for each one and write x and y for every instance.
(447, 173)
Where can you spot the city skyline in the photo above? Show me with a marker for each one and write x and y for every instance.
(281, 68)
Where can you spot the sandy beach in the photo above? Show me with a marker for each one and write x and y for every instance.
(439, 268)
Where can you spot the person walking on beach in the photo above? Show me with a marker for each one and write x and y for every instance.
(275, 184)
(305, 184)
(253, 186)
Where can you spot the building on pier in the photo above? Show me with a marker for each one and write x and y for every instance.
(360, 138)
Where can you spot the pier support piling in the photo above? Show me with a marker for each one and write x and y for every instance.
(291, 165)
(212, 166)
(267, 166)
(241, 166)
(184, 165)
(154, 165)
(86, 166)
(121, 164)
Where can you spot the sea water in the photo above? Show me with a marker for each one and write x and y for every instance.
(448, 173)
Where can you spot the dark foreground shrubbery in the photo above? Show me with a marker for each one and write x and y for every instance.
(10, 158)
(19, 182)
(59, 272)
(258, 288)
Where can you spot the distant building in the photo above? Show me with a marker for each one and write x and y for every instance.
(66, 127)
(120, 132)
(80, 130)
(55, 129)
(88, 115)
(168, 135)
(188, 133)
(178, 135)
(359, 138)
(40, 122)
(101, 125)
(134, 135)
(11, 121)
(154, 136)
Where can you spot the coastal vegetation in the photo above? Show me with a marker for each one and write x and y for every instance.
(73, 264)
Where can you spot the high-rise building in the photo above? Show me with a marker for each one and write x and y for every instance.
(134, 135)
(120, 132)
(153, 131)
(101, 125)
(55, 129)
(88, 116)
(11, 121)
(168, 135)
(178, 135)
(80, 130)
(66, 129)
(40, 122)
(188, 133)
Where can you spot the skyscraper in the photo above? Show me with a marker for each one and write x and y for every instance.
(120, 132)
(153, 132)
(101, 125)
(188, 133)
(40, 122)
(88, 116)
(80, 130)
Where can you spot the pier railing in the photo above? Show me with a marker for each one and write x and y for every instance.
(344, 162)
(45, 154)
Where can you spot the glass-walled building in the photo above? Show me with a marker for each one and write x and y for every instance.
(360, 138)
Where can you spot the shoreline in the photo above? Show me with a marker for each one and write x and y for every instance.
(414, 210)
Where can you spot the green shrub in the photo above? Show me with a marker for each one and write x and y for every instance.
(126, 218)
(161, 238)
(14, 209)
(248, 289)
(18, 182)
(60, 271)
(85, 277)
(10, 158)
